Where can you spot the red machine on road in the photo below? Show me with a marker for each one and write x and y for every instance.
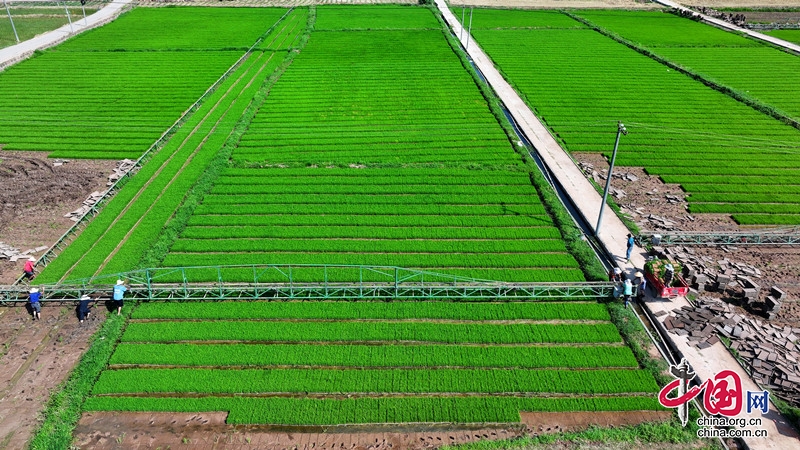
(665, 277)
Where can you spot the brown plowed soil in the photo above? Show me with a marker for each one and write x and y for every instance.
(35, 195)
(558, 422)
(36, 358)
(114, 430)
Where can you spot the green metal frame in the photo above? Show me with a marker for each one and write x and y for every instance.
(776, 237)
(303, 282)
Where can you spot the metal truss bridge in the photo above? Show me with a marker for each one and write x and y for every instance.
(301, 282)
(773, 237)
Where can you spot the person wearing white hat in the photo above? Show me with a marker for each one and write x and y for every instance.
(119, 295)
(36, 306)
(28, 269)
(83, 307)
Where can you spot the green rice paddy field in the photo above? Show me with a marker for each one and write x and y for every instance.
(357, 135)
(728, 156)
(350, 135)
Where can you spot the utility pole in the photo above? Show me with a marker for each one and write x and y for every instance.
(68, 17)
(620, 130)
(83, 8)
(461, 35)
(11, 20)
(469, 32)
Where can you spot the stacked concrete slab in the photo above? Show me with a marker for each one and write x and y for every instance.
(769, 352)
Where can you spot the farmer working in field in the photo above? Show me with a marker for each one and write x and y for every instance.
(119, 295)
(28, 269)
(83, 307)
(36, 307)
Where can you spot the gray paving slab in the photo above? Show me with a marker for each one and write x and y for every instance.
(16, 53)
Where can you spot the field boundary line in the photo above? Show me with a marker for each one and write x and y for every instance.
(70, 234)
(753, 102)
(147, 184)
(201, 145)
(730, 27)
(188, 160)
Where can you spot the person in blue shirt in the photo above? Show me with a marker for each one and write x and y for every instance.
(627, 291)
(119, 295)
(36, 306)
(630, 248)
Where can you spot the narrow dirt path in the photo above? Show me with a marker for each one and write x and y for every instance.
(38, 357)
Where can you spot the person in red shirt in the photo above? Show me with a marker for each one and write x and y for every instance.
(28, 269)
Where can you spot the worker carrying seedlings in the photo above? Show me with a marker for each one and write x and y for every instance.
(83, 307)
(28, 269)
(119, 295)
(34, 298)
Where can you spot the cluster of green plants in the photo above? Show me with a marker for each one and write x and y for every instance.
(353, 97)
(395, 310)
(111, 92)
(332, 411)
(360, 355)
(791, 35)
(581, 82)
(491, 221)
(354, 331)
(119, 238)
(746, 66)
(428, 353)
(179, 28)
(361, 381)
(375, 17)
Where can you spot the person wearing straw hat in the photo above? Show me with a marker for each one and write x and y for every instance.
(28, 269)
(83, 307)
(641, 285)
(119, 295)
(36, 306)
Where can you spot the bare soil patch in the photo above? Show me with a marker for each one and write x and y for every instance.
(780, 266)
(36, 357)
(35, 195)
(780, 17)
(115, 430)
(557, 422)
